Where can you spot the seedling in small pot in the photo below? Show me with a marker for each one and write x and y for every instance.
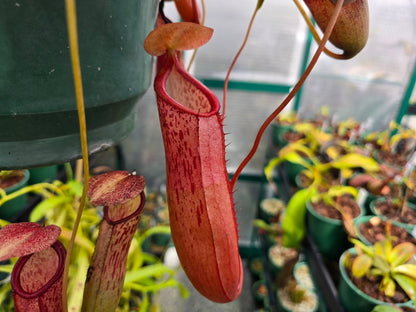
(387, 263)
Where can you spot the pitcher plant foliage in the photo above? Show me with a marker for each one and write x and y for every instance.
(122, 196)
(201, 208)
(37, 276)
(200, 194)
(199, 191)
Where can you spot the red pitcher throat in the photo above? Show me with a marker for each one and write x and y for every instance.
(201, 207)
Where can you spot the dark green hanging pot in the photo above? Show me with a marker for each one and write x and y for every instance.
(38, 116)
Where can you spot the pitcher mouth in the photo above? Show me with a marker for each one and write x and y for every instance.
(134, 214)
(161, 80)
(15, 277)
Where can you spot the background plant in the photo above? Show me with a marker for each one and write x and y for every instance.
(146, 274)
(387, 263)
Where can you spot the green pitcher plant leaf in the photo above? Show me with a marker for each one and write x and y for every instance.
(388, 286)
(361, 247)
(386, 308)
(401, 253)
(361, 265)
(294, 218)
(339, 190)
(408, 269)
(353, 160)
(154, 270)
(40, 210)
(408, 284)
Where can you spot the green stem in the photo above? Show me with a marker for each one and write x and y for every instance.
(34, 188)
(76, 69)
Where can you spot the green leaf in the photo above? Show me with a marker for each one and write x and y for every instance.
(361, 246)
(388, 286)
(339, 190)
(273, 163)
(6, 268)
(294, 219)
(354, 160)
(49, 203)
(147, 271)
(3, 223)
(406, 269)
(386, 308)
(5, 291)
(362, 263)
(407, 283)
(76, 187)
(401, 253)
(158, 229)
(381, 263)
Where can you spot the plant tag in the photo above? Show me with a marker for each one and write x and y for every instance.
(410, 165)
(413, 232)
(362, 196)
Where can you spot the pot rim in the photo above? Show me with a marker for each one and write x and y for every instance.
(337, 222)
(21, 183)
(356, 290)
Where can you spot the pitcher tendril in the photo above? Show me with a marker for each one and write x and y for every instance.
(291, 95)
(70, 6)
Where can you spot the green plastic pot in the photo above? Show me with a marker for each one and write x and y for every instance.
(13, 207)
(410, 227)
(256, 268)
(292, 171)
(260, 297)
(277, 131)
(43, 174)
(328, 234)
(352, 298)
(38, 114)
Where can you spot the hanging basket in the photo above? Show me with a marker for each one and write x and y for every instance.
(38, 115)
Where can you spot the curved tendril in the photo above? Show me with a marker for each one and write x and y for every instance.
(202, 23)
(76, 69)
(162, 13)
(290, 96)
(315, 34)
(227, 78)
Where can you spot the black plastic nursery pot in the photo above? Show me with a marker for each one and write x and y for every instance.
(38, 113)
